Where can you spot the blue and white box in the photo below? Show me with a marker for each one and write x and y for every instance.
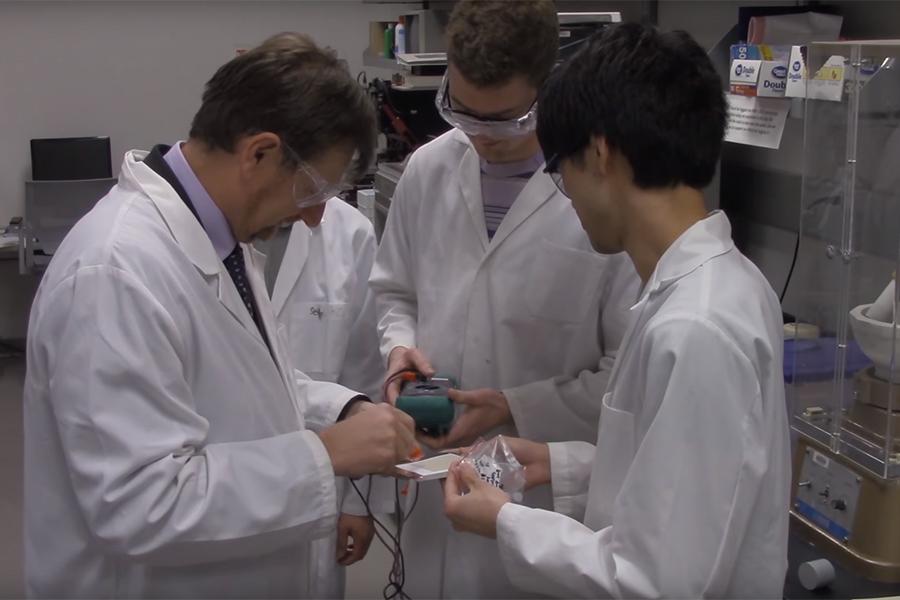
(797, 73)
(773, 76)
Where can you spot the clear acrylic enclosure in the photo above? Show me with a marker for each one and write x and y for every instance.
(843, 368)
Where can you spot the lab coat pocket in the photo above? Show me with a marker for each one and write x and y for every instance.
(563, 283)
(615, 450)
(318, 335)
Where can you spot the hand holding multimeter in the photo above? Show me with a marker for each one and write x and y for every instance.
(432, 401)
(427, 401)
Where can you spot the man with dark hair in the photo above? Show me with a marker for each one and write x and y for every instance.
(170, 448)
(485, 274)
(685, 494)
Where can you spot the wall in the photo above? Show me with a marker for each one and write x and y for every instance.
(132, 70)
(135, 70)
(706, 20)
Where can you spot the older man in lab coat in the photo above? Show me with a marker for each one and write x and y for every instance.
(171, 450)
(485, 274)
(685, 494)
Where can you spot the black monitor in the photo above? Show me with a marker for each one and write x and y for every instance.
(66, 159)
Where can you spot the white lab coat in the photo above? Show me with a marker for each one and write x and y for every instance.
(326, 314)
(686, 493)
(166, 453)
(322, 302)
(534, 312)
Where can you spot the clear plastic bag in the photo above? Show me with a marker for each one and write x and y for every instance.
(496, 464)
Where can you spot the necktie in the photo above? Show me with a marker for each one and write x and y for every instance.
(234, 262)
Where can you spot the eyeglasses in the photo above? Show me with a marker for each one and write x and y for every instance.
(474, 125)
(552, 169)
(322, 189)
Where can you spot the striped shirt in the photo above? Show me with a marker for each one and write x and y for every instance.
(501, 184)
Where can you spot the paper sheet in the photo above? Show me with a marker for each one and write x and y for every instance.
(435, 467)
(756, 121)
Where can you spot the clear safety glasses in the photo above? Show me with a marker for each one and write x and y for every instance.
(474, 125)
(310, 188)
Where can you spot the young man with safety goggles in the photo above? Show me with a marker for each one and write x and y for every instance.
(485, 274)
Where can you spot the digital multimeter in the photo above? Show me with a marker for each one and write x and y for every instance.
(428, 402)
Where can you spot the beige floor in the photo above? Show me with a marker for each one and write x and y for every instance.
(364, 580)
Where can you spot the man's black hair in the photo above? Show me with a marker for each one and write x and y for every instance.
(655, 97)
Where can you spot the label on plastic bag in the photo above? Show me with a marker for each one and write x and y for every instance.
(497, 465)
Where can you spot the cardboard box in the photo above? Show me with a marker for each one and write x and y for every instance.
(759, 70)
(744, 76)
(797, 73)
(745, 52)
(828, 82)
(759, 52)
(772, 79)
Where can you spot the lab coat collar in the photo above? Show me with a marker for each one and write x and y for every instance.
(292, 265)
(256, 260)
(702, 242)
(539, 189)
(469, 177)
(178, 217)
(188, 233)
(537, 192)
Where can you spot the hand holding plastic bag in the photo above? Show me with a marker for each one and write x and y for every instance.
(497, 465)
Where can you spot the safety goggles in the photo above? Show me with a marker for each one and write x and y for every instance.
(474, 125)
(318, 190)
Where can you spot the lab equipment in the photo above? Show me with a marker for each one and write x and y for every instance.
(845, 385)
(428, 402)
(406, 117)
(883, 308)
